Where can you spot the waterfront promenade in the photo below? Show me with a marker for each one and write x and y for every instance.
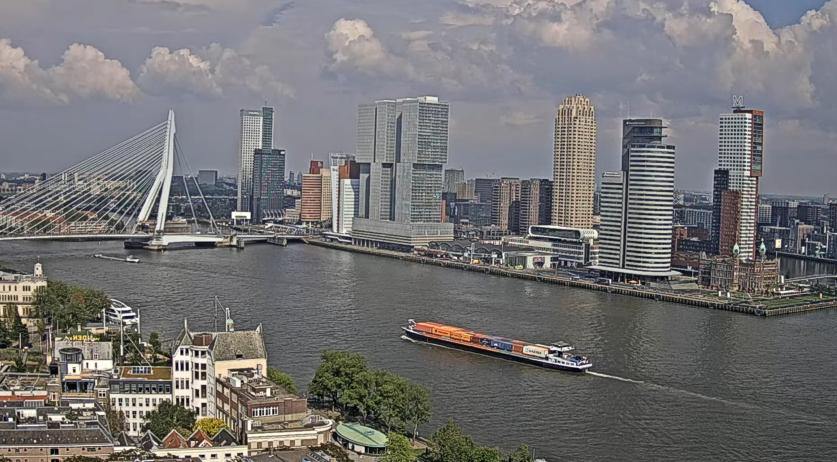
(703, 299)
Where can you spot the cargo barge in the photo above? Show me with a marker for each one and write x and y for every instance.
(560, 355)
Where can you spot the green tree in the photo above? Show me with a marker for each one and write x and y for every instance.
(20, 364)
(5, 334)
(82, 459)
(282, 379)
(167, 417)
(16, 329)
(116, 421)
(390, 409)
(399, 449)
(450, 444)
(416, 408)
(483, 454)
(67, 305)
(521, 454)
(359, 397)
(336, 373)
(156, 346)
(210, 425)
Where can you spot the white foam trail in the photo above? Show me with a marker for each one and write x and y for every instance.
(796, 414)
(613, 377)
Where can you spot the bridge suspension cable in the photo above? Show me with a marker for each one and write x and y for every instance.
(112, 192)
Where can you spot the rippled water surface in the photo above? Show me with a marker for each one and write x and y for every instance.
(671, 382)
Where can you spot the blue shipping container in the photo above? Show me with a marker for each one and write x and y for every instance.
(501, 345)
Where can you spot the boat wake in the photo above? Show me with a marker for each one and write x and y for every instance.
(614, 377)
(790, 413)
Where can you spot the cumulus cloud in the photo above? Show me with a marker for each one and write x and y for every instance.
(450, 63)
(180, 70)
(84, 72)
(212, 71)
(352, 45)
(671, 53)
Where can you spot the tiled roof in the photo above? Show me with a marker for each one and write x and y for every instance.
(224, 438)
(247, 344)
(53, 436)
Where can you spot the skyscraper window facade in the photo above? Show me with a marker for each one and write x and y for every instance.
(637, 204)
(741, 152)
(255, 132)
(453, 177)
(267, 187)
(401, 150)
(574, 163)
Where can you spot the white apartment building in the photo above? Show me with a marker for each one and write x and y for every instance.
(200, 357)
(741, 152)
(348, 194)
(137, 391)
(574, 163)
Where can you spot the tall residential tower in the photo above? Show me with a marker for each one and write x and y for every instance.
(574, 164)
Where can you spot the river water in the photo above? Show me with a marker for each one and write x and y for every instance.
(671, 382)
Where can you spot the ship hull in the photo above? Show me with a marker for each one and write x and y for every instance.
(472, 348)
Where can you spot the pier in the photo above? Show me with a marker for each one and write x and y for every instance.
(736, 306)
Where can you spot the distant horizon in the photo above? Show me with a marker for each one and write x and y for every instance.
(681, 190)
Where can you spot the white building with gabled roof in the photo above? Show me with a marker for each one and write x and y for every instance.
(201, 357)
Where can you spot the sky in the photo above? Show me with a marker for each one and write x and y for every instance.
(77, 76)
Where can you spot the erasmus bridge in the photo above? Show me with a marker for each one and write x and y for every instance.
(121, 192)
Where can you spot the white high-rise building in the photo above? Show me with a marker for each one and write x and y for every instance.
(199, 358)
(637, 205)
(741, 152)
(574, 163)
(336, 160)
(611, 210)
(347, 206)
(255, 132)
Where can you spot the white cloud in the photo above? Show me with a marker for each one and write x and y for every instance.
(180, 70)
(84, 72)
(455, 19)
(352, 45)
(448, 63)
(213, 71)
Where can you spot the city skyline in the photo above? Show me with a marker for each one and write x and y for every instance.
(83, 118)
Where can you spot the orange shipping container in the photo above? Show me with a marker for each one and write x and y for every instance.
(461, 335)
(424, 327)
(441, 331)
